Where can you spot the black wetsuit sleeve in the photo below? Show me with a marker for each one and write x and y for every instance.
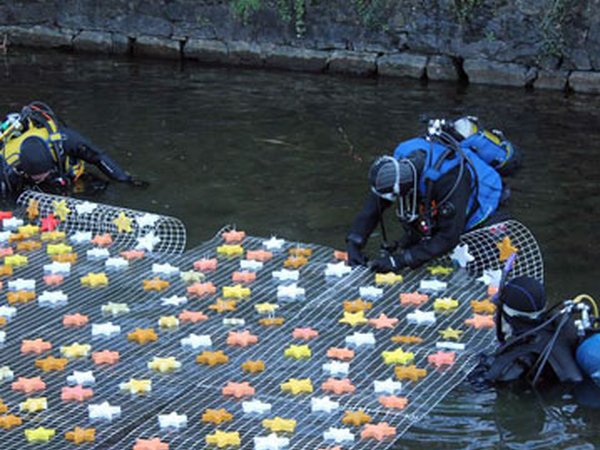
(450, 221)
(77, 146)
(369, 216)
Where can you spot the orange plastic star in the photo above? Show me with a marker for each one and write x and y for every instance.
(76, 393)
(29, 385)
(300, 252)
(53, 279)
(6, 271)
(271, 321)
(205, 264)
(10, 421)
(150, 444)
(131, 255)
(233, 236)
(343, 354)
(33, 208)
(243, 277)
(202, 289)
(295, 262)
(506, 248)
(212, 358)
(483, 307)
(440, 358)
(3, 407)
(20, 297)
(353, 306)
(383, 321)
(238, 390)
(479, 321)
(216, 416)
(81, 435)
(222, 306)
(142, 336)
(37, 346)
(192, 316)
(75, 320)
(253, 366)
(402, 339)
(51, 363)
(65, 257)
(343, 386)
(105, 357)
(102, 240)
(356, 418)
(28, 246)
(16, 237)
(340, 255)
(241, 339)
(379, 432)
(306, 334)
(392, 401)
(412, 373)
(155, 284)
(413, 298)
(259, 255)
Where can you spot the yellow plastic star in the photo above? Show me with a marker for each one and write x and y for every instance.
(137, 386)
(29, 230)
(297, 386)
(397, 356)
(34, 404)
(237, 291)
(168, 322)
(15, 260)
(94, 279)
(115, 309)
(266, 308)
(61, 210)
(445, 304)
(53, 236)
(224, 438)
(58, 249)
(123, 223)
(39, 434)
(230, 250)
(353, 319)
(506, 248)
(451, 333)
(440, 270)
(297, 352)
(75, 350)
(164, 365)
(388, 278)
(279, 424)
(33, 208)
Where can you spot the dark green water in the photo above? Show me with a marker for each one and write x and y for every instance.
(287, 154)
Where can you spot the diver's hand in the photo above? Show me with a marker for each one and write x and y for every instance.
(355, 255)
(389, 263)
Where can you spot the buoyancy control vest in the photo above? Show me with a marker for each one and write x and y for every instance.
(491, 148)
(486, 183)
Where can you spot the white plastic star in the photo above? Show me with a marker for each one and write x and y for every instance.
(56, 268)
(103, 411)
(233, 321)
(54, 298)
(147, 242)
(323, 404)
(291, 292)
(491, 277)
(196, 341)
(172, 421)
(12, 223)
(164, 269)
(432, 285)
(360, 339)
(273, 243)
(370, 292)
(105, 329)
(419, 317)
(337, 270)
(21, 284)
(147, 220)
(81, 237)
(388, 386)
(461, 255)
(338, 435)
(2, 336)
(81, 378)
(445, 345)
(85, 208)
(174, 300)
(4, 236)
(97, 253)
(116, 263)
(270, 442)
(255, 407)
(115, 309)
(336, 368)
(6, 374)
(286, 275)
(250, 264)
(8, 312)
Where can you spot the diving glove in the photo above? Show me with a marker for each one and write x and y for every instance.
(354, 245)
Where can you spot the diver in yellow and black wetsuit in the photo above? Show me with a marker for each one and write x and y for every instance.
(38, 150)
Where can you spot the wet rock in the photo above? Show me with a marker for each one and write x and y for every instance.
(402, 65)
(585, 82)
(551, 79)
(355, 63)
(503, 74)
(442, 68)
(206, 50)
(293, 58)
(157, 47)
(578, 59)
(40, 36)
(93, 41)
(245, 54)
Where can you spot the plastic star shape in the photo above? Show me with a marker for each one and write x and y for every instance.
(39, 434)
(7, 312)
(28, 385)
(191, 276)
(165, 269)
(388, 278)
(224, 438)
(115, 309)
(164, 365)
(272, 321)
(168, 322)
(34, 404)
(440, 358)
(174, 300)
(131, 255)
(21, 284)
(305, 334)
(85, 208)
(297, 352)
(202, 289)
(297, 386)
(343, 354)
(336, 368)
(65, 257)
(506, 249)
(172, 421)
(338, 435)
(82, 378)
(76, 393)
(266, 308)
(155, 284)
(58, 249)
(270, 442)
(483, 307)
(354, 319)
(432, 285)
(147, 242)
(286, 275)
(196, 341)
(53, 280)
(243, 277)
(222, 306)
(81, 237)
(393, 401)
(192, 316)
(6, 251)
(461, 255)
(75, 320)
(412, 373)
(479, 321)
(451, 333)
(419, 317)
(61, 210)
(234, 321)
(291, 292)
(300, 251)
(107, 329)
(337, 270)
(248, 264)
(58, 268)
(205, 264)
(357, 305)
(370, 292)
(75, 350)
(49, 223)
(6, 374)
(273, 243)
(10, 421)
(28, 246)
(397, 356)
(19, 297)
(53, 236)
(356, 418)
(105, 357)
(253, 366)
(136, 386)
(439, 270)
(142, 336)
(94, 279)
(12, 223)
(379, 432)
(216, 416)
(33, 208)
(116, 263)
(343, 386)
(123, 223)
(491, 277)
(103, 411)
(445, 304)
(230, 250)
(15, 261)
(238, 291)
(37, 346)
(295, 262)
(279, 424)
(81, 435)
(233, 236)
(383, 321)
(96, 254)
(241, 339)
(51, 363)
(212, 358)
(323, 404)
(238, 390)
(360, 339)
(146, 220)
(388, 386)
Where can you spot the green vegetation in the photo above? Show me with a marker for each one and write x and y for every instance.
(551, 28)
(465, 8)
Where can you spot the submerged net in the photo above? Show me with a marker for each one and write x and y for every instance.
(343, 367)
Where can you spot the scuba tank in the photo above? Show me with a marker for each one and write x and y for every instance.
(588, 351)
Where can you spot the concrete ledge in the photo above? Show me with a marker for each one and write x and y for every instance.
(551, 79)
(157, 47)
(442, 68)
(206, 50)
(297, 59)
(402, 65)
(93, 41)
(585, 82)
(245, 54)
(354, 63)
(502, 74)
(40, 36)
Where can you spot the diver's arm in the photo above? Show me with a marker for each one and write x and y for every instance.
(79, 147)
(367, 219)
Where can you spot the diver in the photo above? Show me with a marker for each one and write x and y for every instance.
(442, 185)
(38, 150)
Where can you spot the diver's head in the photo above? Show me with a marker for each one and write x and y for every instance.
(523, 301)
(35, 159)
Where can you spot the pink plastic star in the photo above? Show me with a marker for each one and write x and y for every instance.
(233, 236)
(105, 357)
(259, 255)
(340, 255)
(440, 359)
(53, 279)
(150, 444)
(243, 277)
(205, 264)
(383, 321)
(130, 255)
(201, 289)
(392, 401)
(343, 354)
(238, 390)
(343, 386)
(37, 346)
(241, 339)
(306, 334)
(29, 385)
(102, 240)
(75, 320)
(192, 316)
(413, 298)
(6, 251)
(77, 393)
(49, 223)
(379, 432)
(479, 321)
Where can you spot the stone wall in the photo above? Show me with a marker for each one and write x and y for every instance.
(544, 44)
